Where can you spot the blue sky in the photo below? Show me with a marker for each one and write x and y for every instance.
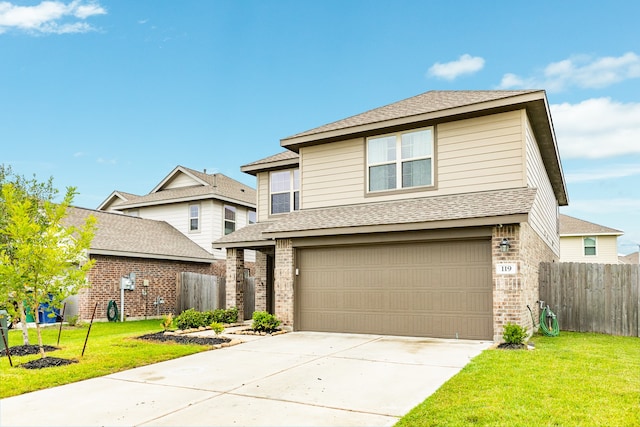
(112, 95)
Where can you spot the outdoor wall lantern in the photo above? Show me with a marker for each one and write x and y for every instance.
(504, 245)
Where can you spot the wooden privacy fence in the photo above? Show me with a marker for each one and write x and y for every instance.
(203, 292)
(601, 298)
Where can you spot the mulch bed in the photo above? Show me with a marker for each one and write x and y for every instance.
(25, 350)
(506, 346)
(47, 362)
(184, 339)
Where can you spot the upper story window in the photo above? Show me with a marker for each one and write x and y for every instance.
(401, 160)
(284, 191)
(194, 217)
(589, 246)
(229, 219)
(251, 217)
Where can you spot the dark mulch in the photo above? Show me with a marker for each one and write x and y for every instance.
(506, 346)
(47, 362)
(184, 339)
(25, 350)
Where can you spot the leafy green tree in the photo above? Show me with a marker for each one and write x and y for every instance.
(43, 259)
(37, 192)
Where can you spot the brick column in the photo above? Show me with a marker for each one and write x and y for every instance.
(283, 281)
(235, 280)
(507, 288)
(261, 281)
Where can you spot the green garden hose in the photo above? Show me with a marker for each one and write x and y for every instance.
(112, 311)
(554, 329)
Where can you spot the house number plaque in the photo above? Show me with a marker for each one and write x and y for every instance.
(506, 268)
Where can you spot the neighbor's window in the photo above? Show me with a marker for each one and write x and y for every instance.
(194, 217)
(251, 217)
(401, 160)
(229, 219)
(285, 191)
(589, 245)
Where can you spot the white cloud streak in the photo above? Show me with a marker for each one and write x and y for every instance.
(49, 17)
(466, 64)
(597, 128)
(610, 172)
(580, 71)
(605, 206)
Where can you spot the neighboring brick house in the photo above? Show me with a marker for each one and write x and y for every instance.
(201, 206)
(153, 250)
(584, 241)
(426, 217)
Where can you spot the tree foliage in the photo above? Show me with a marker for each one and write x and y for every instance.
(43, 260)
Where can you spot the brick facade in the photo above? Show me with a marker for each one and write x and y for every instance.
(104, 279)
(284, 276)
(234, 284)
(513, 292)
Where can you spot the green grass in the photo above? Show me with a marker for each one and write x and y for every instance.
(111, 347)
(575, 379)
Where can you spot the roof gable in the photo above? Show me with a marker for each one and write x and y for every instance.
(570, 226)
(184, 184)
(116, 198)
(124, 235)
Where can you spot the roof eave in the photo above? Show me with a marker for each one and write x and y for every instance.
(128, 254)
(414, 226)
(254, 169)
(186, 199)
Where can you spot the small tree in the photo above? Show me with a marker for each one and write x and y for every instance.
(43, 260)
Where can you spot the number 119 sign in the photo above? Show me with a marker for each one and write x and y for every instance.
(507, 268)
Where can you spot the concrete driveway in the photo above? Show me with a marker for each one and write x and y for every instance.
(295, 379)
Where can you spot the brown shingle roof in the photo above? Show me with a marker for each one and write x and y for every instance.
(415, 211)
(218, 185)
(125, 235)
(420, 104)
(570, 226)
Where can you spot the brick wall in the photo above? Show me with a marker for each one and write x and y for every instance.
(283, 281)
(105, 276)
(513, 292)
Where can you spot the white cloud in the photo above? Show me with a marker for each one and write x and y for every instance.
(580, 71)
(466, 64)
(604, 206)
(610, 172)
(103, 161)
(597, 128)
(49, 17)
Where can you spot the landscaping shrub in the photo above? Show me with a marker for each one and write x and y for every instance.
(514, 334)
(192, 319)
(167, 322)
(264, 322)
(216, 327)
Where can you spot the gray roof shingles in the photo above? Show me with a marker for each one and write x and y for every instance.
(414, 211)
(127, 234)
(427, 102)
(575, 226)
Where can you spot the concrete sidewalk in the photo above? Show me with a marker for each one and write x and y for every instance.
(295, 379)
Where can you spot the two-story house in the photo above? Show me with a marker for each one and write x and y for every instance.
(201, 206)
(426, 217)
(584, 241)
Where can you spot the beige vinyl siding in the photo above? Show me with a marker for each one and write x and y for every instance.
(544, 212)
(479, 154)
(179, 181)
(572, 250)
(262, 189)
(332, 174)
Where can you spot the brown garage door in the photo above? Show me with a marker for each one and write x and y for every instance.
(432, 289)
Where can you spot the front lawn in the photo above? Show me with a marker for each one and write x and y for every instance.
(575, 379)
(111, 348)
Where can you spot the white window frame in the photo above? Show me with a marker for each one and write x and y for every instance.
(226, 220)
(595, 246)
(399, 161)
(191, 218)
(293, 190)
(251, 220)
